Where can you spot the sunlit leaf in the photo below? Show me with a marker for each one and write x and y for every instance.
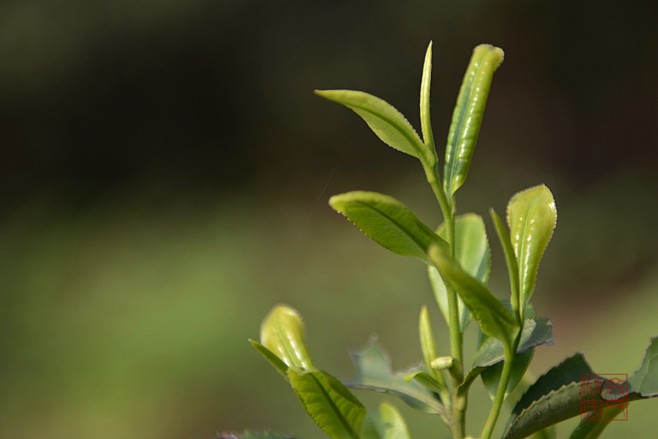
(468, 114)
(382, 118)
(385, 423)
(494, 319)
(425, 86)
(388, 222)
(472, 252)
(331, 405)
(532, 216)
(282, 333)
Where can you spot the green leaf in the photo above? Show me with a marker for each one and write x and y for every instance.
(590, 428)
(472, 252)
(491, 353)
(374, 373)
(645, 380)
(494, 319)
(388, 222)
(386, 423)
(554, 397)
(532, 216)
(535, 332)
(271, 358)
(331, 405)
(383, 119)
(282, 333)
(468, 114)
(425, 119)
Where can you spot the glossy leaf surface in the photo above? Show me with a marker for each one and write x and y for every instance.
(282, 333)
(468, 114)
(331, 405)
(425, 119)
(388, 222)
(374, 373)
(494, 319)
(382, 118)
(554, 397)
(385, 423)
(532, 216)
(473, 253)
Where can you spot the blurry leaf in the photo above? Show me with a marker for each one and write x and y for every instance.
(510, 260)
(386, 423)
(387, 222)
(282, 332)
(532, 217)
(472, 252)
(554, 397)
(271, 358)
(425, 119)
(491, 375)
(645, 380)
(252, 435)
(331, 405)
(468, 114)
(382, 118)
(426, 380)
(374, 373)
(493, 318)
(590, 428)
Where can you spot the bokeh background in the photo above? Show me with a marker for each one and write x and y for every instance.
(165, 167)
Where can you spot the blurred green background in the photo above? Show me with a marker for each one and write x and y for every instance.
(165, 169)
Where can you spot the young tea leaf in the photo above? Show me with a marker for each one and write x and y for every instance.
(472, 252)
(331, 405)
(383, 119)
(494, 319)
(385, 423)
(271, 358)
(388, 222)
(468, 114)
(532, 216)
(282, 333)
(510, 259)
(425, 86)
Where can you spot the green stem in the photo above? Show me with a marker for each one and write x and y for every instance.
(494, 412)
(459, 402)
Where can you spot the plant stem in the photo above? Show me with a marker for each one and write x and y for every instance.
(459, 402)
(494, 412)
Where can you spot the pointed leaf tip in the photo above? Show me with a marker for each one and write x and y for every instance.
(468, 114)
(388, 222)
(384, 120)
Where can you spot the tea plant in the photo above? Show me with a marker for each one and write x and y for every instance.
(458, 258)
